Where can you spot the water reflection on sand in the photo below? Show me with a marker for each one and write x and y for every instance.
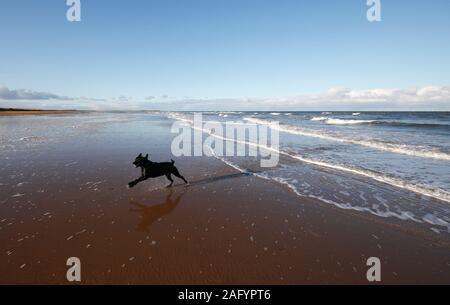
(151, 212)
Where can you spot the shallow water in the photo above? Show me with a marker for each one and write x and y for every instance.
(386, 164)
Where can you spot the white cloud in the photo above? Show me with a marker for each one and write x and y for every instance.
(426, 98)
(22, 94)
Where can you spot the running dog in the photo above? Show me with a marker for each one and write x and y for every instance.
(151, 169)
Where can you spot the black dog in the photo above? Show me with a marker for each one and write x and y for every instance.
(151, 169)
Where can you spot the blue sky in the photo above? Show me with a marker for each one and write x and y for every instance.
(225, 54)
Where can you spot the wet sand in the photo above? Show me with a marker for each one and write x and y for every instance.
(69, 198)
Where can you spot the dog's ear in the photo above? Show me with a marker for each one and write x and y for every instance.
(140, 155)
(146, 156)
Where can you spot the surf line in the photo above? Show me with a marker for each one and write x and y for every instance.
(339, 205)
(405, 150)
(183, 143)
(416, 188)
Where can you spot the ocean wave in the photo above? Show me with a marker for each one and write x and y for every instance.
(411, 124)
(410, 150)
(341, 121)
(335, 121)
(393, 181)
(178, 117)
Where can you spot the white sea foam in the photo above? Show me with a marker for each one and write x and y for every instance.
(397, 182)
(341, 121)
(409, 150)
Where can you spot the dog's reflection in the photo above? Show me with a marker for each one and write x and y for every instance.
(151, 213)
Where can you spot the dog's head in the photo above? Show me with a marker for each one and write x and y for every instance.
(140, 160)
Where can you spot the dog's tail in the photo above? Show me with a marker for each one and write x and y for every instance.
(173, 162)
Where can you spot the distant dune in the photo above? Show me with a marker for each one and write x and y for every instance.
(17, 111)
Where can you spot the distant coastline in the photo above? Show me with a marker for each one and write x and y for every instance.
(18, 111)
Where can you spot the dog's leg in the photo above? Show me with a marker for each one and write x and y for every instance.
(176, 173)
(134, 182)
(170, 179)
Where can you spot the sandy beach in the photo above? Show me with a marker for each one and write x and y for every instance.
(63, 194)
(20, 112)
